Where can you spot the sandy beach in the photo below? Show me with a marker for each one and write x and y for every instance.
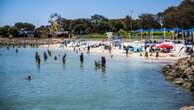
(163, 57)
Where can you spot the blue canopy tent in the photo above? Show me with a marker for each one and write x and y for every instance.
(176, 30)
(162, 29)
(157, 30)
(152, 30)
(188, 36)
(186, 33)
(143, 30)
(191, 30)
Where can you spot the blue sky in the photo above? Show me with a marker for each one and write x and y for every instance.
(38, 11)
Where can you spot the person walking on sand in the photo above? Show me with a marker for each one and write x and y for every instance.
(146, 52)
(157, 53)
(74, 48)
(109, 48)
(151, 50)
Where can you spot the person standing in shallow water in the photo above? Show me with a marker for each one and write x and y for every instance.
(82, 58)
(64, 58)
(55, 58)
(8, 47)
(97, 64)
(88, 49)
(45, 56)
(103, 61)
(37, 57)
(49, 52)
(16, 50)
(29, 78)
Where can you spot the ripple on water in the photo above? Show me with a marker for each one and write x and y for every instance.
(126, 83)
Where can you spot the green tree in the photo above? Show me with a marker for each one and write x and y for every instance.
(127, 23)
(181, 16)
(149, 21)
(13, 31)
(24, 26)
(42, 31)
(4, 31)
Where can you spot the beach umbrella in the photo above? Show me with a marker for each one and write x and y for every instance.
(165, 45)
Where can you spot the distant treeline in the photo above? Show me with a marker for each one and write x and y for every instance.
(181, 16)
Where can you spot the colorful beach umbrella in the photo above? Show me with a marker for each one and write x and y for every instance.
(165, 45)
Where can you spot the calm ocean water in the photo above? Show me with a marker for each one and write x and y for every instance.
(125, 83)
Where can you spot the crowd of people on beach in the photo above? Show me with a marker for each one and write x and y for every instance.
(149, 51)
(146, 50)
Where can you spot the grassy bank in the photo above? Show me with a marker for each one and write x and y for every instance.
(92, 37)
(125, 37)
(29, 41)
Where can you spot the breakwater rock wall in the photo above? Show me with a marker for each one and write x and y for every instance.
(181, 73)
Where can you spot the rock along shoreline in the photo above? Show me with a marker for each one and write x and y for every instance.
(181, 73)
